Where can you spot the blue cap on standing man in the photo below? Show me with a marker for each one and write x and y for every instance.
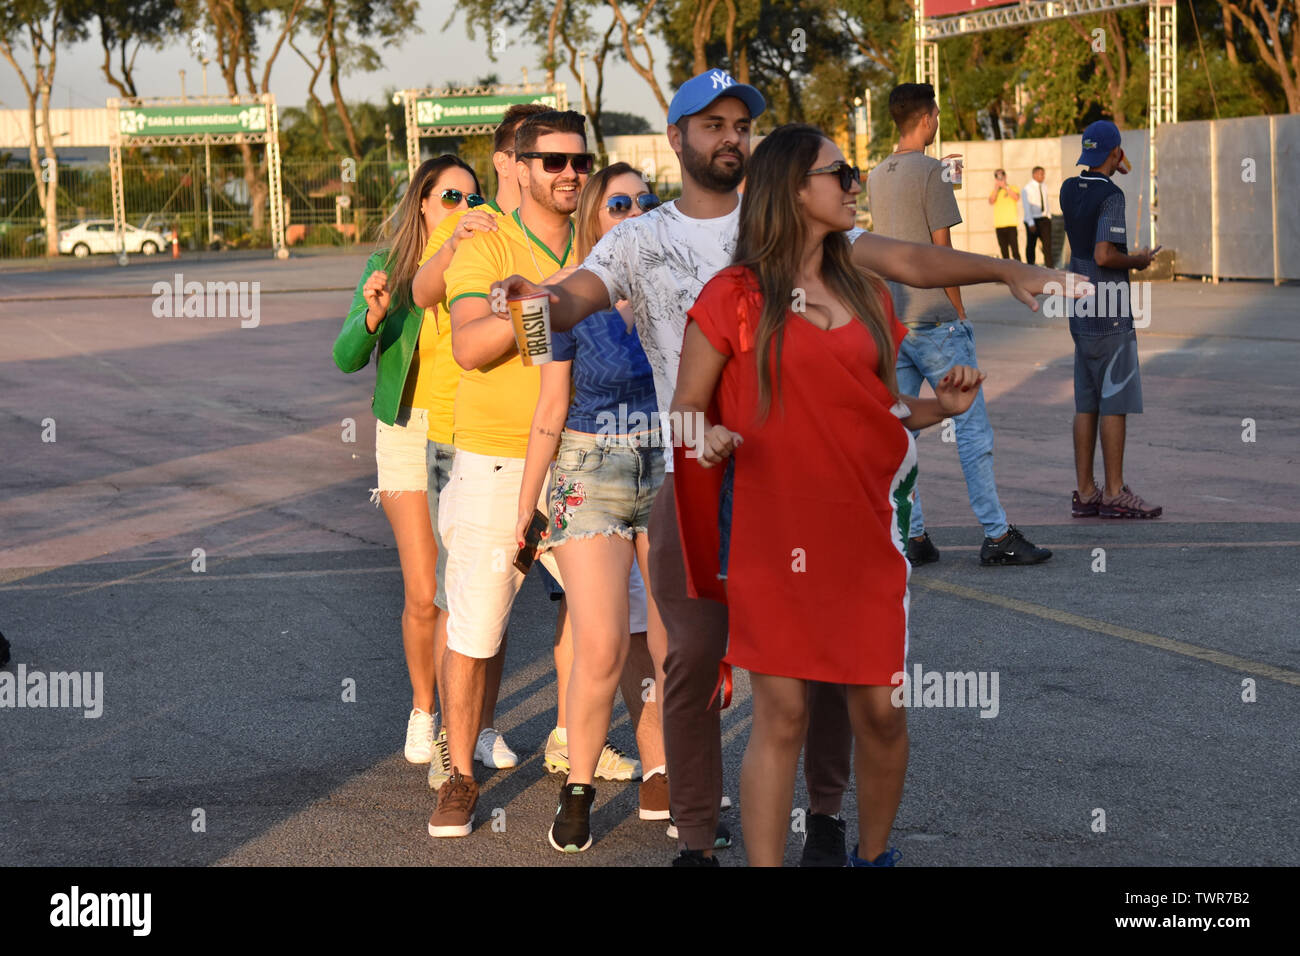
(699, 91)
(1098, 140)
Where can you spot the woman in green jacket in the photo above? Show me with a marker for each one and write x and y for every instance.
(384, 317)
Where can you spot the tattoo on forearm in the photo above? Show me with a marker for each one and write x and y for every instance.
(547, 432)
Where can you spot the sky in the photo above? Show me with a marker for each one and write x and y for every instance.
(431, 58)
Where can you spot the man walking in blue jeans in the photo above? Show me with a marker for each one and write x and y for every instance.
(910, 197)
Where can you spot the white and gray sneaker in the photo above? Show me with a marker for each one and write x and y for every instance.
(419, 736)
(493, 751)
(440, 764)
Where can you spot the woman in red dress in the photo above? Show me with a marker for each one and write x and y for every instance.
(789, 355)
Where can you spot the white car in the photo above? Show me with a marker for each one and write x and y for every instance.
(96, 235)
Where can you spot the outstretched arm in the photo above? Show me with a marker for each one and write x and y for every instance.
(572, 300)
(926, 266)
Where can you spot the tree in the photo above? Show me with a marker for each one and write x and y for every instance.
(234, 24)
(42, 24)
(124, 27)
(625, 124)
(1273, 28)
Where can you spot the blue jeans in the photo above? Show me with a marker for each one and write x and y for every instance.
(928, 354)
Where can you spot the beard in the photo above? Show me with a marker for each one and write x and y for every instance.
(701, 168)
(544, 195)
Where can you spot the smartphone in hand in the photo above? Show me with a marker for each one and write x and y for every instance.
(525, 556)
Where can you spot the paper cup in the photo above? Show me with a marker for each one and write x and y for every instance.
(952, 164)
(531, 318)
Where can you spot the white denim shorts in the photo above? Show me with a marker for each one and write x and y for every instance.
(476, 518)
(400, 453)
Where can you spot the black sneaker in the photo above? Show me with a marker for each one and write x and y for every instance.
(824, 843)
(721, 837)
(1014, 548)
(571, 831)
(921, 551)
(695, 858)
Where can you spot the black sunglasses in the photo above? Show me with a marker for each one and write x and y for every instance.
(451, 199)
(848, 174)
(555, 162)
(620, 204)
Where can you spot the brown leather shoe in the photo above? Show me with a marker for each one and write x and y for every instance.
(456, 801)
(654, 798)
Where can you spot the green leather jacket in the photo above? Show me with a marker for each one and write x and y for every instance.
(396, 337)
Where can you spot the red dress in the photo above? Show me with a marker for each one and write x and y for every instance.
(817, 573)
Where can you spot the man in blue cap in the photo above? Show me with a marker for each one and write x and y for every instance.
(658, 262)
(1107, 385)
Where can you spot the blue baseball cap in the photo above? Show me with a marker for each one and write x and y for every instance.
(699, 91)
(1098, 140)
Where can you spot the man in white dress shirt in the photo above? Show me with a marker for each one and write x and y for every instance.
(1038, 217)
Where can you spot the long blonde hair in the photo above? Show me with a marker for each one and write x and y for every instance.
(587, 216)
(771, 238)
(404, 228)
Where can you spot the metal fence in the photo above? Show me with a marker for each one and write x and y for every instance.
(164, 196)
(1228, 197)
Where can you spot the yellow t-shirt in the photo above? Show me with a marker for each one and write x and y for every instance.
(1006, 211)
(494, 407)
(446, 373)
(418, 392)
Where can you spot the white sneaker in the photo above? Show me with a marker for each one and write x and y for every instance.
(419, 736)
(440, 764)
(493, 751)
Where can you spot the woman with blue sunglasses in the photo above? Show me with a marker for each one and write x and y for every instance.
(597, 408)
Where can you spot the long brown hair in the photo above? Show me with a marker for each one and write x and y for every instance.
(586, 218)
(404, 228)
(772, 234)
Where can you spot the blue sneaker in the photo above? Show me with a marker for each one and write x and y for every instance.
(889, 858)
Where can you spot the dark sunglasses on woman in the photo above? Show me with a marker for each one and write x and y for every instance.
(555, 162)
(451, 199)
(848, 174)
(620, 204)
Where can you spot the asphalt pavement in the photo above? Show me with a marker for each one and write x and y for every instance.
(1145, 713)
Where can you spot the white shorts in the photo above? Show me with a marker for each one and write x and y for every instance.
(400, 453)
(477, 512)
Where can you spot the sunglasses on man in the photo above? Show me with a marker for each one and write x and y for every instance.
(555, 162)
(451, 199)
(620, 204)
(848, 174)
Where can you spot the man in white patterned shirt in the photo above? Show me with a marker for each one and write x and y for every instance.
(659, 262)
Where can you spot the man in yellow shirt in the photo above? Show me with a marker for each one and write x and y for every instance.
(495, 400)
(428, 290)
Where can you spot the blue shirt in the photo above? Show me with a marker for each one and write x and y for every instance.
(1093, 207)
(613, 386)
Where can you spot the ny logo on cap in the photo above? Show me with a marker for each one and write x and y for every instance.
(721, 79)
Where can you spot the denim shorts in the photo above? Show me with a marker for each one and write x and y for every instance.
(604, 484)
(438, 460)
(399, 453)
